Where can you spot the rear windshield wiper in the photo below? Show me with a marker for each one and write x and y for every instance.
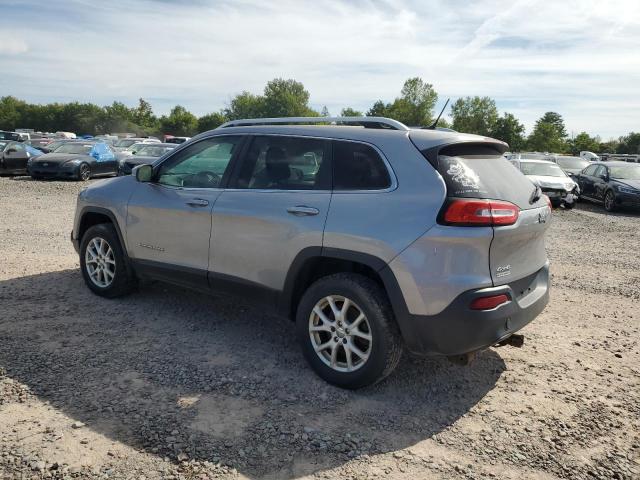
(535, 195)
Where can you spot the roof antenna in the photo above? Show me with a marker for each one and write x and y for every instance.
(433, 125)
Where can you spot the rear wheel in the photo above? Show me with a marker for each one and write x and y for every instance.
(609, 201)
(103, 264)
(346, 328)
(84, 172)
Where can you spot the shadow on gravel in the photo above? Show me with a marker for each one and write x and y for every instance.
(177, 373)
(627, 212)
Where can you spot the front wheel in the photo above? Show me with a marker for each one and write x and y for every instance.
(84, 172)
(347, 331)
(104, 267)
(609, 201)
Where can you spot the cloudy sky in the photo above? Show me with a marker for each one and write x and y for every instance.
(580, 58)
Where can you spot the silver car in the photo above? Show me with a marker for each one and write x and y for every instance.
(372, 237)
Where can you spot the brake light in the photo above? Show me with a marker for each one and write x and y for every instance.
(476, 212)
(489, 303)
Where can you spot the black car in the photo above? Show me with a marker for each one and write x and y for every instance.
(14, 157)
(79, 160)
(614, 184)
(145, 153)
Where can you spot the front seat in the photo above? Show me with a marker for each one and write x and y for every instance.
(276, 171)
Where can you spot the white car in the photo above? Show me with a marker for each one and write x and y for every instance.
(552, 180)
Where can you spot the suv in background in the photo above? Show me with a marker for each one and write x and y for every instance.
(372, 239)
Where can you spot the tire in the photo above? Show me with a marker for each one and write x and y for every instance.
(610, 201)
(122, 280)
(84, 172)
(383, 349)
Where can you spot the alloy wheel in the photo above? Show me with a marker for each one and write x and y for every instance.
(100, 262)
(609, 201)
(85, 172)
(340, 333)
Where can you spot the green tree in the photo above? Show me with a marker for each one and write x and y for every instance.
(509, 129)
(245, 105)
(610, 146)
(555, 119)
(286, 98)
(180, 122)
(584, 142)
(143, 115)
(378, 109)
(474, 115)
(629, 144)
(11, 112)
(211, 121)
(414, 106)
(350, 112)
(545, 137)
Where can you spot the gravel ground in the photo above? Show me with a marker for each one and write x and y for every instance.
(167, 383)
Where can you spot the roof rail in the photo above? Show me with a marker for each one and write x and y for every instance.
(366, 122)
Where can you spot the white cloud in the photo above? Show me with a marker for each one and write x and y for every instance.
(576, 57)
(12, 46)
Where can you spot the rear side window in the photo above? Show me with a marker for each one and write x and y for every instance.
(357, 166)
(484, 176)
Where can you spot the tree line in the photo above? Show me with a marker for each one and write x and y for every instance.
(288, 98)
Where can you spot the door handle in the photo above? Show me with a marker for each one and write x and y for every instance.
(198, 202)
(303, 211)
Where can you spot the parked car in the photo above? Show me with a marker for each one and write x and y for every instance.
(79, 160)
(177, 140)
(554, 183)
(613, 184)
(52, 146)
(418, 239)
(14, 157)
(13, 136)
(571, 165)
(125, 143)
(143, 153)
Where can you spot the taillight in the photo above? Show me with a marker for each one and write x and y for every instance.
(548, 202)
(489, 303)
(476, 212)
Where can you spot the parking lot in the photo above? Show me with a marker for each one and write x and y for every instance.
(167, 383)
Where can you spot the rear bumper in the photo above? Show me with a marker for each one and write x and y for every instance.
(458, 329)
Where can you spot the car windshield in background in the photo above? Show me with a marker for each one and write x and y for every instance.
(153, 151)
(55, 145)
(543, 169)
(572, 162)
(125, 143)
(625, 172)
(75, 148)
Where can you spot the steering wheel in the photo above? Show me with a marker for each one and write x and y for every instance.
(203, 179)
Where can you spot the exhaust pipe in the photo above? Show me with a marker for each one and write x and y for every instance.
(513, 340)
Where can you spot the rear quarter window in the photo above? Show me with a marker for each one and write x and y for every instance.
(357, 166)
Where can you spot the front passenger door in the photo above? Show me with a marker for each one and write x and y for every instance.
(169, 218)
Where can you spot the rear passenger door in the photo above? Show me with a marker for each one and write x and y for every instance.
(275, 207)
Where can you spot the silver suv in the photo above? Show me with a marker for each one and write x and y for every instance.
(371, 236)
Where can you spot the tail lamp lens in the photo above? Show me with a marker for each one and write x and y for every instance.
(475, 212)
(489, 303)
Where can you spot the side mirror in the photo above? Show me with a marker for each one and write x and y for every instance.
(143, 173)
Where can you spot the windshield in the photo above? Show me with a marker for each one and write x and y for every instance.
(54, 145)
(153, 150)
(75, 148)
(572, 162)
(125, 142)
(543, 169)
(625, 172)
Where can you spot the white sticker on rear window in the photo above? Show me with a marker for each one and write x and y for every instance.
(466, 180)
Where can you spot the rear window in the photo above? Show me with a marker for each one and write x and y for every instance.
(357, 166)
(485, 176)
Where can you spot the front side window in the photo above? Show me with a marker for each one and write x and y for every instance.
(201, 165)
(590, 170)
(285, 163)
(357, 166)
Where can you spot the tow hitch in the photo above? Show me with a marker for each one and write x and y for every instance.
(514, 340)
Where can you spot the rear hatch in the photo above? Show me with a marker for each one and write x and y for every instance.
(478, 170)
